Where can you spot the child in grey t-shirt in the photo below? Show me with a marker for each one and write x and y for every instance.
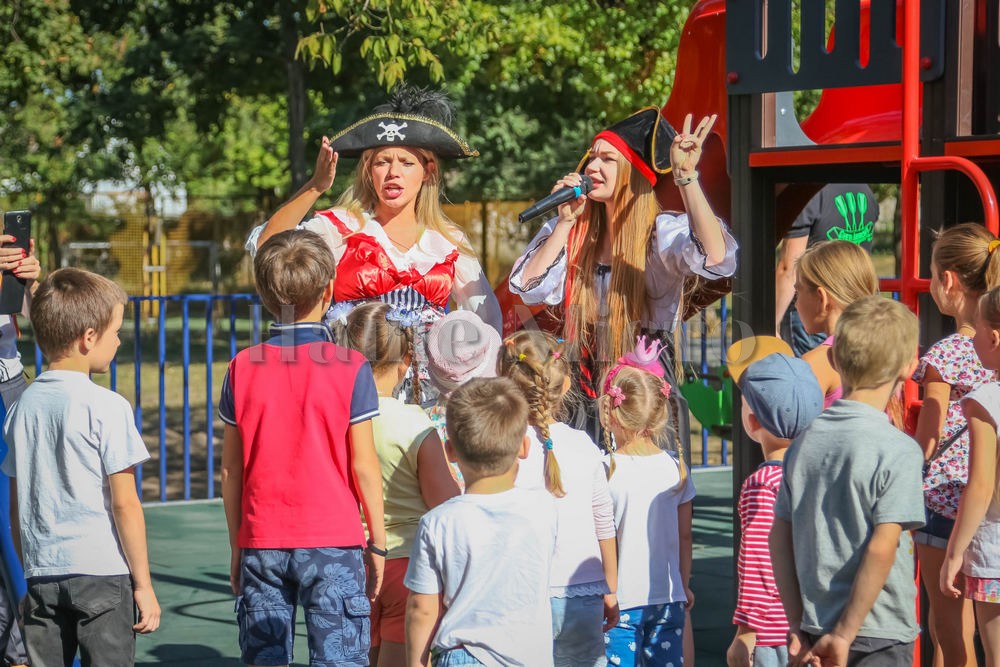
(73, 449)
(842, 556)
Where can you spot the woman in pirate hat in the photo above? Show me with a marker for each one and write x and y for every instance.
(388, 231)
(614, 261)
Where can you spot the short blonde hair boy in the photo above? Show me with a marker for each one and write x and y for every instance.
(876, 339)
(487, 419)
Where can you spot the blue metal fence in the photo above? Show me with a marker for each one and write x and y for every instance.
(231, 322)
(708, 357)
(156, 307)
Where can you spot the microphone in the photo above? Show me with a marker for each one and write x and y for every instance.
(556, 198)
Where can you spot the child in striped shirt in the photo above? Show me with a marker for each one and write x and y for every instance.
(781, 397)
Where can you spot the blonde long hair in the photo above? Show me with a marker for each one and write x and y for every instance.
(637, 207)
(534, 361)
(361, 196)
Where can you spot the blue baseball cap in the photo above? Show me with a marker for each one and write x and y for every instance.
(783, 393)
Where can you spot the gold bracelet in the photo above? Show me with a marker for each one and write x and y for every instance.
(685, 180)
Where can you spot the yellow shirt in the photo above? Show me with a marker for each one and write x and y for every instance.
(398, 430)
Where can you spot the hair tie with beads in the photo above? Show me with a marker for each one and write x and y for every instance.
(665, 389)
(548, 444)
(556, 355)
(521, 357)
(994, 244)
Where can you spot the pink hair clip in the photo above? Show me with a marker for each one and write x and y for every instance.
(665, 389)
(617, 396)
(556, 355)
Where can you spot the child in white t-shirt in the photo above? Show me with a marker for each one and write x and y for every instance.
(652, 507)
(566, 462)
(484, 555)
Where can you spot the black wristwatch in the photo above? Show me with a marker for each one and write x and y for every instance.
(378, 551)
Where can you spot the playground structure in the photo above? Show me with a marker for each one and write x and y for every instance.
(897, 102)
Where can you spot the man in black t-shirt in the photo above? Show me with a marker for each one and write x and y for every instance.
(840, 211)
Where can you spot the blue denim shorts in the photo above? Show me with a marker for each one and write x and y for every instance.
(936, 530)
(329, 585)
(454, 657)
(578, 631)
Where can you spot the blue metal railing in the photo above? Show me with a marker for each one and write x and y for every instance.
(142, 306)
(708, 357)
(244, 328)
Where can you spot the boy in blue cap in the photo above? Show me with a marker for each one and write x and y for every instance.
(781, 397)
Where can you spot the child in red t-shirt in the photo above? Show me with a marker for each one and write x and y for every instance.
(298, 458)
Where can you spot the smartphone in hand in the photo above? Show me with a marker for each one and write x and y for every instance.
(18, 225)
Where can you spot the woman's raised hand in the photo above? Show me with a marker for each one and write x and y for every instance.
(686, 149)
(571, 210)
(326, 166)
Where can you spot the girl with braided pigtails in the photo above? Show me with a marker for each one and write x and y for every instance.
(584, 574)
(416, 475)
(652, 495)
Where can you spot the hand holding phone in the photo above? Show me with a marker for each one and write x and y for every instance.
(14, 262)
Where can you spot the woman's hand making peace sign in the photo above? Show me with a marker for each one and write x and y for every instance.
(685, 151)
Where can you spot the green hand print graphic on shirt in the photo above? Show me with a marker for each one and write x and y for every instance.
(852, 207)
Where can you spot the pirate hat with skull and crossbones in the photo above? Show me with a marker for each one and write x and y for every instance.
(413, 117)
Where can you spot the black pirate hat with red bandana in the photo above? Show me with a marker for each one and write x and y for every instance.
(644, 139)
(413, 117)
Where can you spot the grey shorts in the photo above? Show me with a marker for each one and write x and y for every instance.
(85, 612)
(874, 652)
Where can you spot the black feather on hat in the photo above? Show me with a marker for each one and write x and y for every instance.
(644, 139)
(413, 117)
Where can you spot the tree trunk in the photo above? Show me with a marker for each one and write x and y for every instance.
(296, 98)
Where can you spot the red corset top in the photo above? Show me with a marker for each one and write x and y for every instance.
(366, 271)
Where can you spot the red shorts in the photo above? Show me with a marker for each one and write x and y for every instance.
(389, 609)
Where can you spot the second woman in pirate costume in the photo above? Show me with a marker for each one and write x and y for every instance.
(388, 232)
(612, 260)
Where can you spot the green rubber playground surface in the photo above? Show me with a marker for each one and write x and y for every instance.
(189, 556)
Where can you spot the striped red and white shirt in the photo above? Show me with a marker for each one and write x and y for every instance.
(758, 605)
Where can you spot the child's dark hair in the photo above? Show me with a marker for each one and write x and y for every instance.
(640, 410)
(486, 419)
(970, 251)
(67, 303)
(373, 331)
(534, 361)
(291, 270)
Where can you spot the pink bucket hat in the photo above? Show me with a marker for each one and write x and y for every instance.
(460, 347)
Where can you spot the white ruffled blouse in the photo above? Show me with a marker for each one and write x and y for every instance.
(674, 254)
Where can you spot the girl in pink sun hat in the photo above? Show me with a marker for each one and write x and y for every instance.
(460, 347)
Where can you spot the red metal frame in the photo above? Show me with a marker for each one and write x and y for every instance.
(910, 284)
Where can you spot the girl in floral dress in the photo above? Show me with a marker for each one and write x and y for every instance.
(963, 266)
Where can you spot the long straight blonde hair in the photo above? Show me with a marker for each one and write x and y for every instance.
(636, 209)
(361, 196)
